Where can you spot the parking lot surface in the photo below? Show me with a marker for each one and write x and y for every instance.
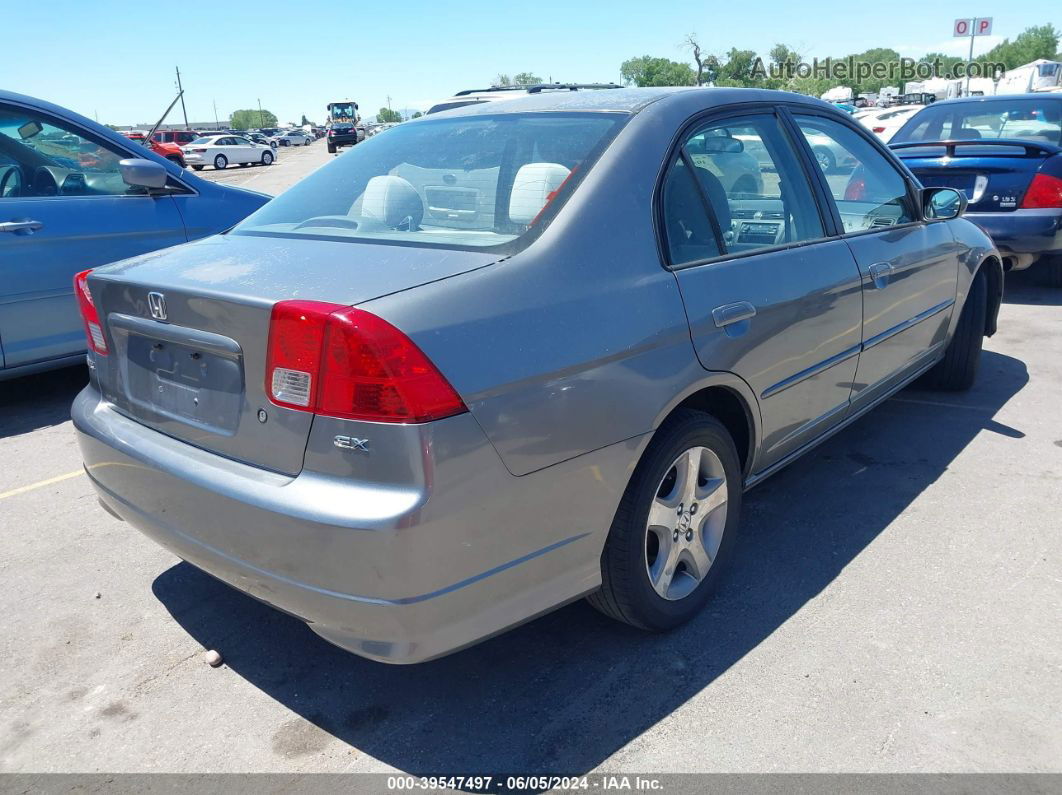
(292, 164)
(894, 606)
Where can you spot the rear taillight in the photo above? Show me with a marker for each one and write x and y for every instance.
(877, 129)
(856, 190)
(91, 318)
(348, 363)
(1044, 191)
(199, 150)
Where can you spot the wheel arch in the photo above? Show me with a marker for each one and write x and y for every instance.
(993, 271)
(730, 400)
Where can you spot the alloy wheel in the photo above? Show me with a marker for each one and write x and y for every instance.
(686, 523)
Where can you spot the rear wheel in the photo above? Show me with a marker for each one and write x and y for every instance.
(331, 149)
(197, 168)
(1049, 271)
(957, 371)
(824, 157)
(675, 527)
(267, 158)
(221, 162)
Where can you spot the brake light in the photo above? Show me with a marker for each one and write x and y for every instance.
(89, 315)
(856, 189)
(878, 129)
(1044, 191)
(347, 363)
(199, 150)
(331, 133)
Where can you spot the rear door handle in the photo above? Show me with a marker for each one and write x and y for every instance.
(733, 313)
(880, 273)
(20, 226)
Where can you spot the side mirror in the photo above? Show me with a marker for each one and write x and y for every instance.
(942, 203)
(142, 173)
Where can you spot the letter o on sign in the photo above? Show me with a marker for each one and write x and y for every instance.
(962, 27)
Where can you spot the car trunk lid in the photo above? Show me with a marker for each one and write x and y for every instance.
(188, 329)
(993, 174)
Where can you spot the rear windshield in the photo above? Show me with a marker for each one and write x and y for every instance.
(206, 140)
(469, 182)
(1022, 119)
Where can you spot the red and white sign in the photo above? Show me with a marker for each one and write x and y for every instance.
(981, 26)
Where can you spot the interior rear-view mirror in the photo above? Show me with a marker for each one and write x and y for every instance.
(716, 144)
(29, 129)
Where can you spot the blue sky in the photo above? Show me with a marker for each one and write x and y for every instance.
(115, 60)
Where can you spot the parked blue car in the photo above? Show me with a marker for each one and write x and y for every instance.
(67, 204)
(1005, 153)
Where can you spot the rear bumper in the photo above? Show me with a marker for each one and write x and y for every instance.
(1022, 231)
(343, 140)
(399, 574)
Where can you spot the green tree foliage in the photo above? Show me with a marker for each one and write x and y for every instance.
(417, 114)
(387, 115)
(305, 121)
(745, 68)
(252, 118)
(1039, 41)
(650, 71)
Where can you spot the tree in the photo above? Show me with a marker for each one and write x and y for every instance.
(692, 44)
(305, 121)
(252, 117)
(1039, 41)
(737, 71)
(387, 115)
(650, 71)
(417, 114)
(526, 79)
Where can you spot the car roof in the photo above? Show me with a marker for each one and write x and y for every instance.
(989, 97)
(626, 100)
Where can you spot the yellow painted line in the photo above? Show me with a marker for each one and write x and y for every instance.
(57, 479)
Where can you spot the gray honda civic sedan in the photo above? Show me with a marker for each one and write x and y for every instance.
(520, 353)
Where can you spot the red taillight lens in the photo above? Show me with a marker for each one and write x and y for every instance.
(878, 129)
(89, 315)
(199, 150)
(856, 189)
(1044, 191)
(348, 363)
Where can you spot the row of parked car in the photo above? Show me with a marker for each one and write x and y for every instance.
(220, 148)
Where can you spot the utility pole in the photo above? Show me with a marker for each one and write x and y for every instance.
(217, 124)
(180, 90)
(261, 118)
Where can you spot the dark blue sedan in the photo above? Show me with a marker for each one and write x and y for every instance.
(1005, 153)
(73, 195)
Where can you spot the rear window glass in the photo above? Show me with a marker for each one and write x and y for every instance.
(469, 182)
(1039, 121)
(204, 141)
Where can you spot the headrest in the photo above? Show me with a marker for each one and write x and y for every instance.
(532, 188)
(392, 200)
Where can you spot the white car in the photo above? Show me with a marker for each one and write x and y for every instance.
(221, 150)
(292, 138)
(884, 122)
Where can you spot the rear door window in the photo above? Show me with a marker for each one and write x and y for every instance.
(737, 186)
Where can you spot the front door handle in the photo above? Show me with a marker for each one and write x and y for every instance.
(733, 313)
(880, 273)
(20, 226)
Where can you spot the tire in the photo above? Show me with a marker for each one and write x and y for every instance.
(221, 162)
(331, 149)
(957, 371)
(267, 158)
(197, 168)
(176, 161)
(1049, 271)
(632, 555)
(824, 157)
